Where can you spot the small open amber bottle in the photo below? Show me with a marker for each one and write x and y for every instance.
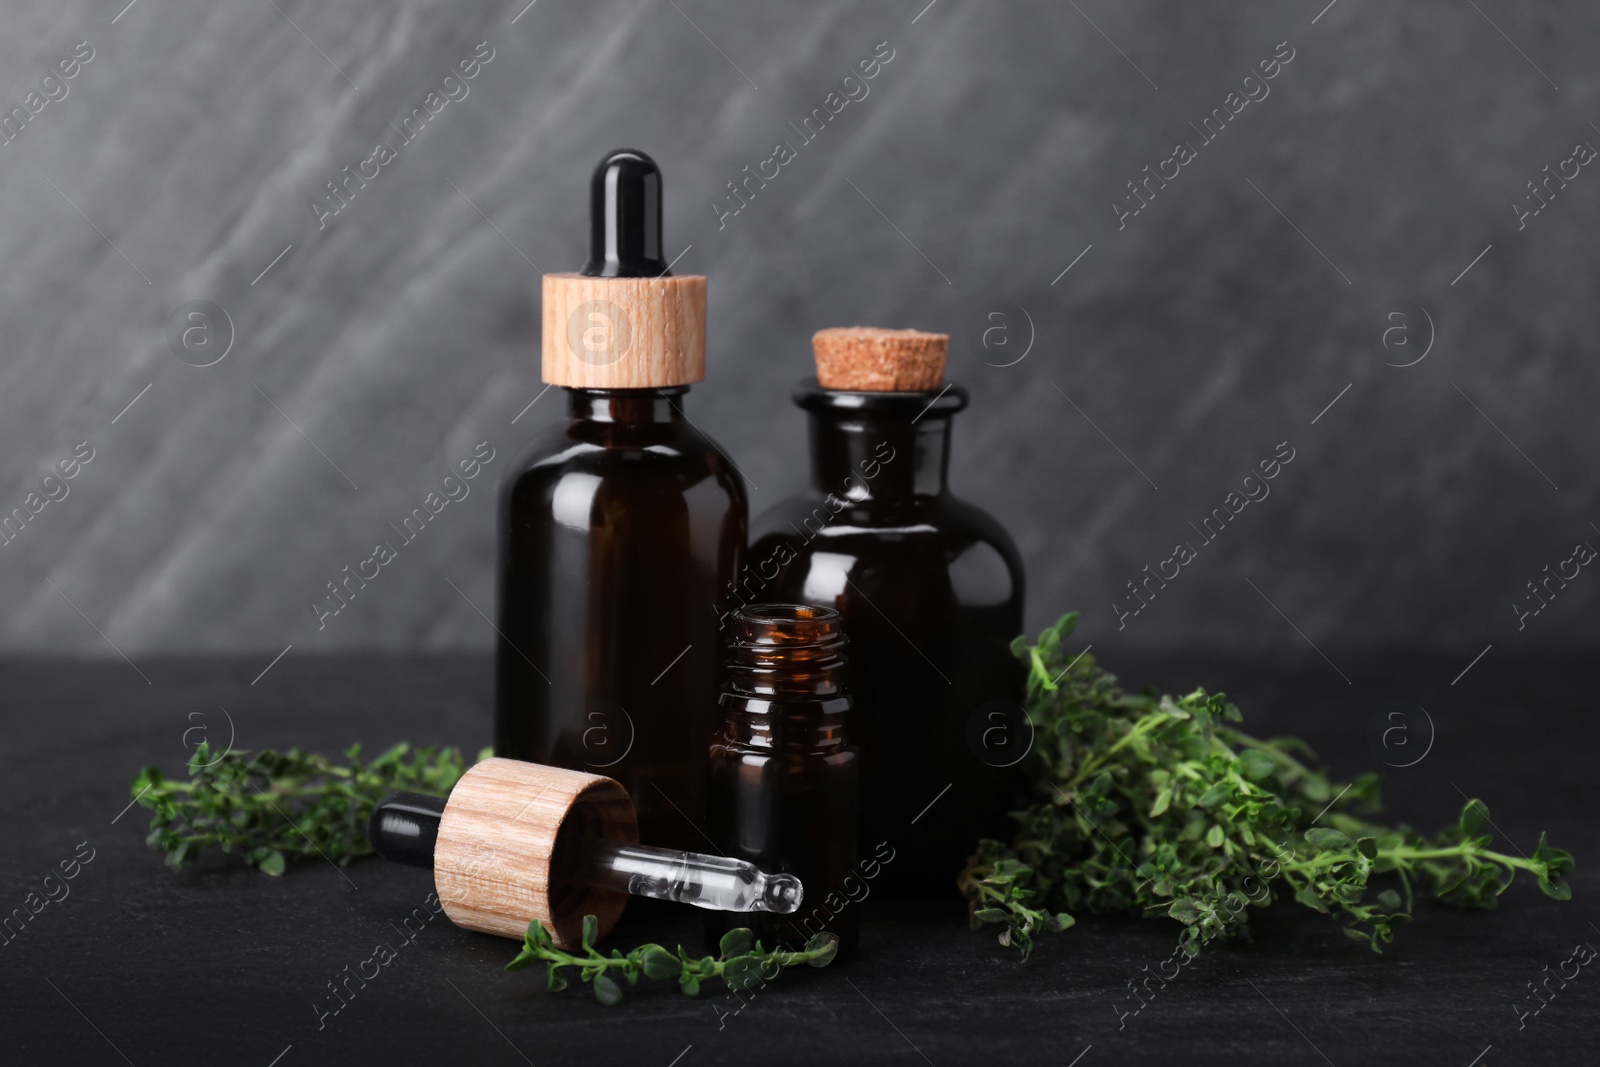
(785, 783)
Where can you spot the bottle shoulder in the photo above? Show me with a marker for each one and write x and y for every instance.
(814, 549)
(823, 520)
(661, 453)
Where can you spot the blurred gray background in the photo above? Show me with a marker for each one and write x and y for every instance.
(1356, 217)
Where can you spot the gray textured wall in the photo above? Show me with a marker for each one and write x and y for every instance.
(1178, 351)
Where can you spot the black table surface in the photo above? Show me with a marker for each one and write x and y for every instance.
(145, 965)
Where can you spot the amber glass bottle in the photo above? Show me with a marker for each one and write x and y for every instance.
(930, 589)
(785, 786)
(618, 529)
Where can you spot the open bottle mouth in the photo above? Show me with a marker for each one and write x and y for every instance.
(796, 616)
(783, 629)
(791, 611)
(786, 648)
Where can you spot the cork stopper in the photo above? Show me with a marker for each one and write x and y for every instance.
(624, 322)
(868, 359)
(509, 830)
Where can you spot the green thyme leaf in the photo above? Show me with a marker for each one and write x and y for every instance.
(743, 964)
(736, 941)
(270, 808)
(658, 963)
(1147, 803)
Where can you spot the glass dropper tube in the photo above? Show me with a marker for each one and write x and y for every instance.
(712, 882)
(405, 828)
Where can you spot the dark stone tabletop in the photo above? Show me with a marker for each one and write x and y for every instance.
(219, 965)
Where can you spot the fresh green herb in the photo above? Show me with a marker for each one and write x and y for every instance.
(267, 808)
(1142, 802)
(743, 964)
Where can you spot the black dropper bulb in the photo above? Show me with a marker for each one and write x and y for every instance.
(625, 218)
(405, 827)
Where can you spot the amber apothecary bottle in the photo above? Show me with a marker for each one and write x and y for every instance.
(930, 590)
(785, 783)
(619, 528)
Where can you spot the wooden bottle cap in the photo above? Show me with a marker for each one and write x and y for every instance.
(868, 359)
(507, 834)
(624, 333)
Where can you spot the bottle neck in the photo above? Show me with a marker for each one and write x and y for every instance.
(627, 406)
(871, 446)
(784, 688)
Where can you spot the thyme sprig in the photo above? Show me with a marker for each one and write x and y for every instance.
(742, 963)
(1144, 803)
(267, 808)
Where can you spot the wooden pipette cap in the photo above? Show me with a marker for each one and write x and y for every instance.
(509, 832)
(868, 359)
(624, 322)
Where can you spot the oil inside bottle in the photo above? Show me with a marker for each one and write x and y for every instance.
(615, 529)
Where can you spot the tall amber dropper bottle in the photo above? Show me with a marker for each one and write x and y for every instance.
(618, 529)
